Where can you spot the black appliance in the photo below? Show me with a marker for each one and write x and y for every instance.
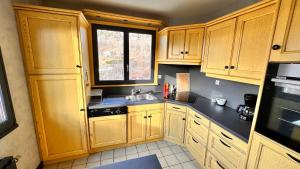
(279, 112)
(8, 163)
(246, 111)
(97, 112)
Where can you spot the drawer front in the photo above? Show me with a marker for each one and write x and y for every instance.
(213, 163)
(200, 118)
(195, 147)
(197, 128)
(176, 107)
(145, 107)
(225, 135)
(221, 149)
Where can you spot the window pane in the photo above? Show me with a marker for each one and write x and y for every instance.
(140, 47)
(3, 116)
(110, 55)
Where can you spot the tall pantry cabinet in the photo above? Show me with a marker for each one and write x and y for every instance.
(54, 51)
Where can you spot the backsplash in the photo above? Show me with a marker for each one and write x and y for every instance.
(200, 84)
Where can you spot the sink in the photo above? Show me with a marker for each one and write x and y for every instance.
(140, 97)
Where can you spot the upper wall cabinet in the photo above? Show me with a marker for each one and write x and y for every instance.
(50, 42)
(180, 46)
(239, 48)
(286, 46)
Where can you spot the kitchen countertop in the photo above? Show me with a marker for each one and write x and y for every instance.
(224, 116)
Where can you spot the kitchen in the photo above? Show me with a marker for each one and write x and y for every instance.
(110, 89)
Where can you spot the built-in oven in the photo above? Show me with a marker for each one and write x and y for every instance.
(279, 112)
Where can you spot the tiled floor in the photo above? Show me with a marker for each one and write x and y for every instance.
(171, 156)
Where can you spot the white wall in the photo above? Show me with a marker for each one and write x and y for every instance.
(22, 140)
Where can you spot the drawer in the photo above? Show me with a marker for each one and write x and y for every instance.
(200, 118)
(176, 107)
(146, 107)
(225, 135)
(196, 127)
(195, 147)
(213, 163)
(222, 149)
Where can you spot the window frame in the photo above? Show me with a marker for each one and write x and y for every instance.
(10, 124)
(126, 31)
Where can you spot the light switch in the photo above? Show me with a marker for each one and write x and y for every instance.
(217, 82)
(159, 76)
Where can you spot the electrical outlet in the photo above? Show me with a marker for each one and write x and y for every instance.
(217, 82)
(159, 76)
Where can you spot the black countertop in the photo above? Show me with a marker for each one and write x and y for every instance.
(223, 116)
(148, 162)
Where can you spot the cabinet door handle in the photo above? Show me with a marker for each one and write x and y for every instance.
(183, 118)
(276, 47)
(186, 52)
(82, 109)
(226, 136)
(78, 66)
(219, 164)
(195, 140)
(176, 108)
(294, 158)
(226, 67)
(145, 117)
(232, 67)
(197, 123)
(225, 144)
(150, 116)
(197, 116)
(182, 52)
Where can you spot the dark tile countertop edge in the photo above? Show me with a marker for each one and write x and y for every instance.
(223, 116)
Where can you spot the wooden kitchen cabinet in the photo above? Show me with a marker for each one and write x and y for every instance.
(213, 163)
(218, 47)
(50, 41)
(60, 121)
(145, 122)
(108, 130)
(252, 43)
(286, 46)
(265, 153)
(180, 46)
(175, 126)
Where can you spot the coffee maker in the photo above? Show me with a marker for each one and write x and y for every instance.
(246, 111)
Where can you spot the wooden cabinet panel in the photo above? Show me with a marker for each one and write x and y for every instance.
(198, 117)
(155, 124)
(60, 123)
(175, 126)
(50, 42)
(252, 43)
(195, 127)
(227, 152)
(176, 44)
(99, 127)
(176, 107)
(193, 44)
(287, 33)
(195, 147)
(162, 47)
(218, 47)
(266, 153)
(136, 126)
(213, 163)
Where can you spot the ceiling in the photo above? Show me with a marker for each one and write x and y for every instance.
(171, 11)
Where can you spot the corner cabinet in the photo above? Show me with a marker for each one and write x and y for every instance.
(53, 56)
(238, 49)
(286, 46)
(145, 122)
(180, 46)
(265, 153)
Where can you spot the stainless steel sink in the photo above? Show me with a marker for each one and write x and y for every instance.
(140, 97)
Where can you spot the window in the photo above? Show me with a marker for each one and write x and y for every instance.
(123, 55)
(7, 117)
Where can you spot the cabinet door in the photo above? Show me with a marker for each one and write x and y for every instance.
(155, 123)
(175, 125)
(99, 127)
(287, 33)
(176, 44)
(193, 44)
(162, 47)
(252, 43)
(265, 153)
(218, 47)
(57, 102)
(213, 163)
(136, 126)
(50, 42)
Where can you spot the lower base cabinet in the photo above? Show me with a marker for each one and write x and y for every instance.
(213, 163)
(267, 154)
(175, 126)
(107, 130)
(196, 148)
